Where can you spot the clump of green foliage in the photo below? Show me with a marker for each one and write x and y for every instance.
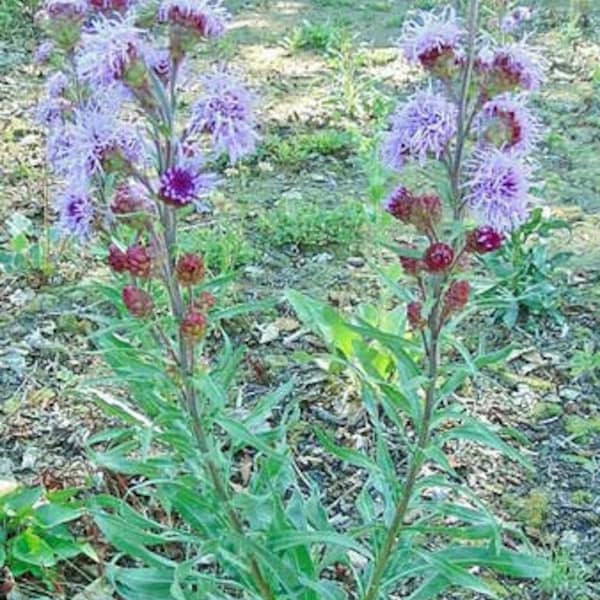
(310, 226)
(317, 37)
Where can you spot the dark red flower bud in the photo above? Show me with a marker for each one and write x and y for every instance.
(139, 261)
(410, 265)
(126, 201)
(438, 257)
(193, 326)
(426, 212)
(399, 204)
(117, 259)
(457, 296)
(190, 269)
(484, 239)
(137, 301)
(204, 302)
(414, 315)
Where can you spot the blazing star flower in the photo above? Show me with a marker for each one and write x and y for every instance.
(433, 40)
(185, 182)
(160, 63)
(75, 213)
(108, 6)
(96, 141)
(204, 17)
(111, 51)
(225, 111)
(507, 123)
(57, 84)
(498, 190)
(51, 109)
(421, 128)
(510, 67)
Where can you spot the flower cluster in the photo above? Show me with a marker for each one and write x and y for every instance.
(477, 105)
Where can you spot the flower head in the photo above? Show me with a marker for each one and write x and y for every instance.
(190, 269)
(96, 141)
(399, 204)
(193, 325)
(139, 261)
(426, 212)
(112, 51)
(206, 18)
(498, 190)
(66, 9)
(225, 112)
(507, 123)
(138, 302)
(484, 239)
(43, 52)
(421, 128)
(117, 259)
(130, 199)
(75, 213)
(204, 302)
(510, 67)
(110, 6)
(438, 257)
(414, 315)
(456, 296)
(433, 41)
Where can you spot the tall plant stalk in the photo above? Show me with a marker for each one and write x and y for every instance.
(433, 330)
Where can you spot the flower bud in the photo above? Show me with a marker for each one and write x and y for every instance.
(399, 204)
(438, 257)
(411, 266)
(139, 262)
(457, 296)
(414, 315)
(137, 301)
(484, 239)
(204, 302)
(193, 326)
(190, 269)
(117, 259)
(426, 212)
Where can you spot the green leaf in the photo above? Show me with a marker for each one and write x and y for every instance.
(288, 539)
(51, 515)
(32, 549)
(348, 455)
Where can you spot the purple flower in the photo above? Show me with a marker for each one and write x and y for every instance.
(57, 84)
(510, 67)
(66, 9)
(515, 18)
(204, 17)
(111, 50)
(225, 111)
(498, 190)
(43, 52)
(433, 40)
(51, 109)
(185, 182)
(508, 124)
(75, 213)
(108, 6)
(96, 141)
(160, 62)
(421, 128)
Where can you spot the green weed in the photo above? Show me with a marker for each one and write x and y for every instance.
(317, 37)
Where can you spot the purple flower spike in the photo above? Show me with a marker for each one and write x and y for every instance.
(75, 213)
(203, 17)
(225, 111)
(515, 18)
(498, 190)
(508, 124)
(66, 9)
(421, 128)
(43, 52)
(433, 40)
(111, 49)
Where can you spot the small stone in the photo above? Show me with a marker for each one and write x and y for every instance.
(570, 394)
(356, 261)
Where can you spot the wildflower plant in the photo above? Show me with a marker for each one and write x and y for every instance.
(130, 165)
(426, 529)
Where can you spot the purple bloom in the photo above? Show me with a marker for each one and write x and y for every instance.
(96, 141)
(66, 9)
(108, 6)
(75, 213)
(111, 48)
(421, 128)
(43, 52)
(508, 124)
(160, 62)
(511, 67)
(432, 40)
(225, 111)
(515, 18)
(204, 17)
(185, 183)
(498, 190)
(51, 109)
